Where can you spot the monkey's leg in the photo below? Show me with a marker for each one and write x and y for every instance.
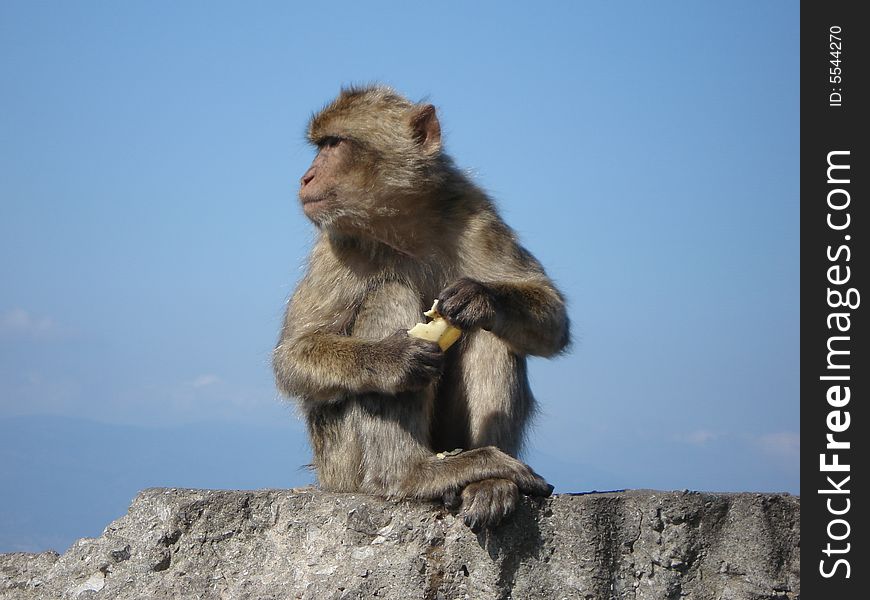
(486, 502)
(397, 460)
(436, 477)
(496, 402)
(486, 482)
(496, 392)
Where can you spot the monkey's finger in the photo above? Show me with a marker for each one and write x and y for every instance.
(422, 346)
(467, 304)
(502, 501)
(473, 519)
(476, 515)
(427, 370)
(423, 368)
(486, 510)
(533, 484)
(486, 503)
(452, 499)
(430, 357)
(433, 362)
(455, 295)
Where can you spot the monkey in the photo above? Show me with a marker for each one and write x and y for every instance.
(398, 224)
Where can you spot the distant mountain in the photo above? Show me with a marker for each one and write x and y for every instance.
(64, 478)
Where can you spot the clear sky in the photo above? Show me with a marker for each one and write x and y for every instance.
(647, 154)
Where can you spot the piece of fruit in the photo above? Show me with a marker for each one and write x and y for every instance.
(437, 330)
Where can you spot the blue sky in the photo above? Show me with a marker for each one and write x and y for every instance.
(647, 154)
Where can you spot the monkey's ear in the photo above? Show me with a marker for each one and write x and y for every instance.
(427, 129)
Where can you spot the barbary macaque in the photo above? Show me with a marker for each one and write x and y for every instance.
(399, 226)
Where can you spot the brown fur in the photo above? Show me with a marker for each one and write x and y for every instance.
(399, 226)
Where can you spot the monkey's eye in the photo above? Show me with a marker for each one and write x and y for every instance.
(330, 141)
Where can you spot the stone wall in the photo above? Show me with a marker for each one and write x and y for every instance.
(302, 543)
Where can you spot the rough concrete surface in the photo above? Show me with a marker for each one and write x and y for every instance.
(303, 543)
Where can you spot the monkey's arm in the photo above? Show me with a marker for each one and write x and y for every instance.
(322, 366)
(531, 317)
(528, 314)
(505, 291)
(317, 360)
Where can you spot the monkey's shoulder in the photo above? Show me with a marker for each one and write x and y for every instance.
(487, 248)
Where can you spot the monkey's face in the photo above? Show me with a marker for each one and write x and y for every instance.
(354, 188)
(332, 189)
(375, 157)
(320, 191)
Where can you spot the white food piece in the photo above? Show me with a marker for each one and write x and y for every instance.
(438, 330)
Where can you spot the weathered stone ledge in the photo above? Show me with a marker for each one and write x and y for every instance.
(302, 543)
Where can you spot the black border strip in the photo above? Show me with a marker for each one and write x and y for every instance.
(831, 130)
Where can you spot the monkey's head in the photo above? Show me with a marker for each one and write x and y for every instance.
(378, 162)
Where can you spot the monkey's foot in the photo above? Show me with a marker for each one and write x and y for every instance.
(486, 503)
(533, 484)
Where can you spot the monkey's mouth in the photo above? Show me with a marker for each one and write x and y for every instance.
(309, 202)
(314, 206)
(311, 199)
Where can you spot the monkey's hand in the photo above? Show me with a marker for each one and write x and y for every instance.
(468, 304)
(409, 363)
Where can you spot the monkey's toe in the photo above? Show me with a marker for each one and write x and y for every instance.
(486, 503)
(452, 499)
(532, 484)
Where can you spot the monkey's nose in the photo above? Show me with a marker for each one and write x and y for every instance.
(306, 179)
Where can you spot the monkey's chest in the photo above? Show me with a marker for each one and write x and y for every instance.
(387, 307)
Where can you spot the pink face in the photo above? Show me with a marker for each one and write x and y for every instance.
(320, 182)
